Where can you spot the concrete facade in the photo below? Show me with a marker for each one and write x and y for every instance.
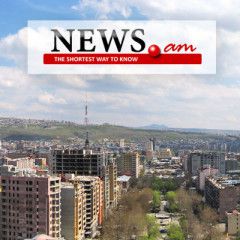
(222, 194)
(30, 205)
(233, 222)
(87, 162)
(129, 164)
(73, 210)
(94, 203)
(203, 173)
(199, 159)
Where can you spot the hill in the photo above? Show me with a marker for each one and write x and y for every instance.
(32, 129)
(22, 129)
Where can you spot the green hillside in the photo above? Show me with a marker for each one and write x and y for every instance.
(96, 132)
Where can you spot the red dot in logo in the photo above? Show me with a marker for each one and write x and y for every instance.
(154, 50)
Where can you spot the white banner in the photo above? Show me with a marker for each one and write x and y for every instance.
(121, 47)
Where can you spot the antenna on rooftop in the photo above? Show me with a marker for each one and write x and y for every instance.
(86, 121)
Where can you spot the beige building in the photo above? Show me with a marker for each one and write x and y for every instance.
(129, 164)
(164, 153)
(122, 143)
(73, 210)
(113, 187)
(20, 163)
(233, 222)
(94, 202)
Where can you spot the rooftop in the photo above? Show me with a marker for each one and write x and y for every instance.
(224, 181)
(123, 178)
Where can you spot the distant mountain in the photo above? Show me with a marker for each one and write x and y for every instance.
(154, 127)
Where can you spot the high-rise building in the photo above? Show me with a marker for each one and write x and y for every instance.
(113, 184)
(86, 162)
(122, 143)
(106, 191)
(150, 145)
(73, 210)
(153, 144)
(94, 202)
(222, 193)
(29, 204)
(203, 173)
(199, 159)
(78, 161)
(128, 164)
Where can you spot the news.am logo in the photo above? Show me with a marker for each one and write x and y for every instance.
(122, 47)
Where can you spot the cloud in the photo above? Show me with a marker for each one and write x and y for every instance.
(182, 101)
(103, 9)
(12, 77)
(176, 100)
(47, 98)
(225, 12)
(228, 52)
(7, 106)
(14, 47)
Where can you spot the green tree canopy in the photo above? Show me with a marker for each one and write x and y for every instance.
(175, 232)
(171, 196)
(156, 200)
(152, 228)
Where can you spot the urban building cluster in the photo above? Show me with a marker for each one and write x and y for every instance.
(216, 176)
(164, 164)
(67, 189)
(61, 193)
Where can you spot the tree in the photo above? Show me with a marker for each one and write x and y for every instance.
(208, 216)
(152, 228)
(175, 232)
(197, 203)
(164, 185)
(156, 200)
(171, 198)
(216, 234)
(144, 198)
(209, 219)
(184, 201)
(197, 229)
(130, 217)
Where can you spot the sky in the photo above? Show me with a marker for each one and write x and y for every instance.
(188, 101)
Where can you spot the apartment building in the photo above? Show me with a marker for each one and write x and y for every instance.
(29, 204)
(94, 202)
(204, 172)
(73, 210)
(21, 163)
(222, 194)
(129, 164)
(199, 159)
(113, 188)
(88, 162)
(78, 161)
